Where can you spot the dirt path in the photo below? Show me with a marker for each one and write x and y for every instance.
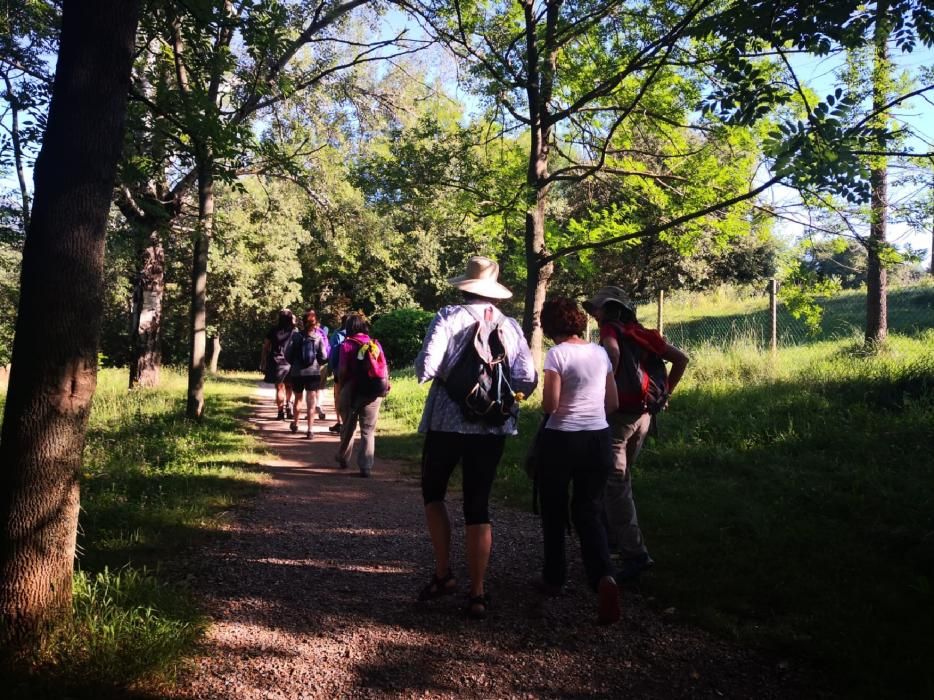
(312, 595)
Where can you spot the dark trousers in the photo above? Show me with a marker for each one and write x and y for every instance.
(581, 460)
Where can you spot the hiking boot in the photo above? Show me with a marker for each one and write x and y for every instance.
(336, 428)
(288, 412)
(293, 426)
(632, 568)
(280, 415)
(321, 414)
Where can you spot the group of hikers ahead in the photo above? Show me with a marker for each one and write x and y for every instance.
(598, 402)
(298, 360)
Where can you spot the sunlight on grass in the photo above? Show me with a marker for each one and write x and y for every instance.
(153, 484)
(786, 500)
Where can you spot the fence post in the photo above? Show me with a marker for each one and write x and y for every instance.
(773, 313)
(661, 311)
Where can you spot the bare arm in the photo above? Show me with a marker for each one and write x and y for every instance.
(611, 345)
(551, 393)
(610, 397)
(679, 362)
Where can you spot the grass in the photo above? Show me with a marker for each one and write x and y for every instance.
(787, 501)
(152, 484)
(728, 315)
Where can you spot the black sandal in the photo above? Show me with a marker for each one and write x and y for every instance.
(437, 587)
(477, 606)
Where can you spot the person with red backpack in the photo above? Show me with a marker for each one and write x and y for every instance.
(363, 375)
(638, 356)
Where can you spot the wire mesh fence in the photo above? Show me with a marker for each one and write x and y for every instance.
(729, 316)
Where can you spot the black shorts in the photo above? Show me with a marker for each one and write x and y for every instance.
(479, 455)
(302, 384)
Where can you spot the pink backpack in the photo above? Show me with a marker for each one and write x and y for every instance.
(370, 371)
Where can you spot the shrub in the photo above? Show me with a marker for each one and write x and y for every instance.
(401, 332)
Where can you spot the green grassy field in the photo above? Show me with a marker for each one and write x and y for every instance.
(153, 484)
(728, 314)
(787, 502)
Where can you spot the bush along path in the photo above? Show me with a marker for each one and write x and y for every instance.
(312, 594)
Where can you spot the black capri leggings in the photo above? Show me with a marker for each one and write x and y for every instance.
(480, 455)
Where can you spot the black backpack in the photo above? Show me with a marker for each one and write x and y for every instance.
(480, 381)
(641, 376)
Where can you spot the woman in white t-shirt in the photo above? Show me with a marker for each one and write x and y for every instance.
(575, 446)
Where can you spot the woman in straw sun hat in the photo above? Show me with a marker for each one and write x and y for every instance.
(451, 438)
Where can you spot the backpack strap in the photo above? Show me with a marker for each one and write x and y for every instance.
(489, 313)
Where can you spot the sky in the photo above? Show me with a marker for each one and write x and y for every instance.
(819, 74)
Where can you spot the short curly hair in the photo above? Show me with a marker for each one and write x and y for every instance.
(562, 316)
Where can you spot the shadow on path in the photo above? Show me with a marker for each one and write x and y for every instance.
(312, 593)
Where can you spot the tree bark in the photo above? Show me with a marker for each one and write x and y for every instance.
(54, 370)
(539, 86)
(199, 285)
(537, 277)
(877, 326)
(146, 318)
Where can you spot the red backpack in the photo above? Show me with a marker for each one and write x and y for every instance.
(641, 376)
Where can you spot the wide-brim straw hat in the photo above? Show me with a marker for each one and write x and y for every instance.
(480, 279)
(606, 295)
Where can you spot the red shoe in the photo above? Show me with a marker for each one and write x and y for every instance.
(607, 601)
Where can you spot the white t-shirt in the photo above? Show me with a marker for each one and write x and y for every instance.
(583, 368)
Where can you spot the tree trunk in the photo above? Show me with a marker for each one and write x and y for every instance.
(199, 285)
(539, 85)
(17, 150)
(215, 353)
(146, 319)
(537, 278)
(877, 326)
(54, 369)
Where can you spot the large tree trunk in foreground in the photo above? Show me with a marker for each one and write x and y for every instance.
(54, 370)
(146, 320)
(199, 286)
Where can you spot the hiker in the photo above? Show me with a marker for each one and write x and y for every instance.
(323, 331)
(357, 401)
(450, 437)
(579, 391)
(307, 356)
(630, 347)
(335, 341)
(275, 364)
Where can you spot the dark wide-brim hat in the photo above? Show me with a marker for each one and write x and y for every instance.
(480, 279)
(607, 295)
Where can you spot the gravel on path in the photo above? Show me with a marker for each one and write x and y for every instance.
(311, 592)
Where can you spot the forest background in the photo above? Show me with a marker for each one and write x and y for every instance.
(384, 160)
(343, 155)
